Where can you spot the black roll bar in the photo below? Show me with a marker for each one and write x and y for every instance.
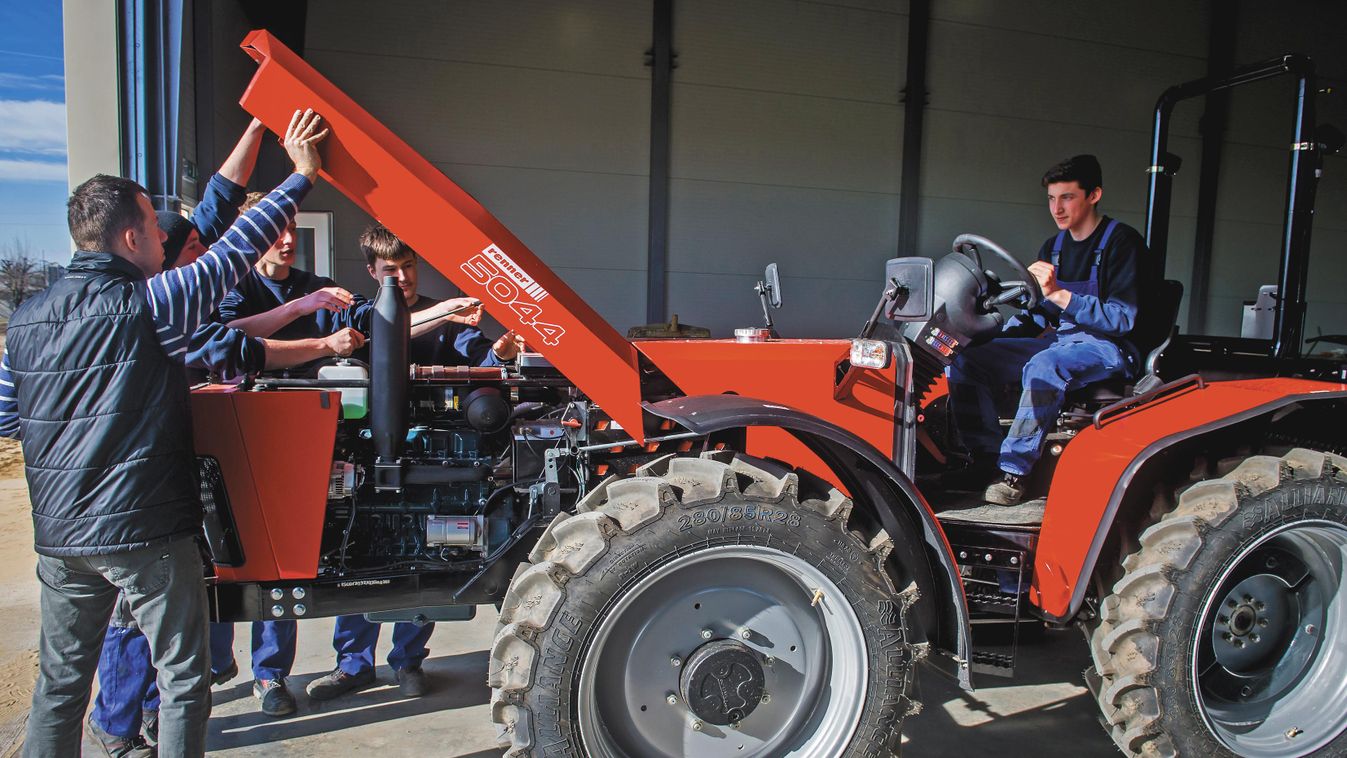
(1302, 184)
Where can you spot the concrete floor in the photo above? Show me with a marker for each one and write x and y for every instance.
(1045, 710)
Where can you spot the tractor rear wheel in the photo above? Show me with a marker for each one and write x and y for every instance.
(1227, 634)
(713, 606)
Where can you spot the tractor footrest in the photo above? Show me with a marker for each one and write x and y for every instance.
(982, 599)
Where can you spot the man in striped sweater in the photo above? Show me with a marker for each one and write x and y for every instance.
(92, 382)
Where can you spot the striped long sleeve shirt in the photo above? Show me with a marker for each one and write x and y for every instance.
(182, 299)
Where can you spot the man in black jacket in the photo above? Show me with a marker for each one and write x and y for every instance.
(92, 382)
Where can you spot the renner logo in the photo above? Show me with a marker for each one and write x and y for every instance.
(510, 286)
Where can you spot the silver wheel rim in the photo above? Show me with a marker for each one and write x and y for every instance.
(814, 659)
(1269, 660)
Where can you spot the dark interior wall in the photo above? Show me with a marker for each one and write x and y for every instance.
(787, 133)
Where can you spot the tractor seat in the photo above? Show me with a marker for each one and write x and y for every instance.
(1154, 328)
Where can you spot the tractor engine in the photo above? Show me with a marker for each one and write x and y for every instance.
(435, 466)
(472, 460)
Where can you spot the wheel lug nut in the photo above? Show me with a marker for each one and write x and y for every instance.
(1227, 636)
(672, 699)
(1239, 643)
(1259, 605)
(1262, 622)
(1294, 732)
(696, 725)
(675, 661)
(766, 698)
(1223, 619)
(1254, 638)
(706, 634)
(745, 633)
(1231, 603)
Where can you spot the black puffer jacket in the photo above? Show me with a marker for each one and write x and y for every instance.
(104, 415)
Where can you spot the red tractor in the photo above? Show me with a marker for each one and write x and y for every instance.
(718, 547)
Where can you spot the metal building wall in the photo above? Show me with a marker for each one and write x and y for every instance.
(787, 133)
(539, 109)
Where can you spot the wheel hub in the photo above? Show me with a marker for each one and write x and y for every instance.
(1252, 623)
(722, 682)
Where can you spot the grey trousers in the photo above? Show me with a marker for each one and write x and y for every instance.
(166, 593)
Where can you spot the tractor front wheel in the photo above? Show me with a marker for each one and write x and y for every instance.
(714, 606)
(1227, 634)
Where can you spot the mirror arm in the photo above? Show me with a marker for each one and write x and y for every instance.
(890, 295)
(763, 289)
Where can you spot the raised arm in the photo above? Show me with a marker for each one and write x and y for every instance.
(238, 167)
(225, 190)
(182, 298)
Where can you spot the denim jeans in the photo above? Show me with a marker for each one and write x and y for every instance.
(166, 592)
(1045, 369)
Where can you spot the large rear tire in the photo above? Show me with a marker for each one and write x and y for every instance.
(714, 606)
(1227, 634)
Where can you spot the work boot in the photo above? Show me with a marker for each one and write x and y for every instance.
(149, 726)
(229, 672)
(120, 747)
(275, 698)
(411, 682)
(1008, 491)
(338, 683)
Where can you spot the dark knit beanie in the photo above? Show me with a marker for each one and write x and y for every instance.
(177, 228)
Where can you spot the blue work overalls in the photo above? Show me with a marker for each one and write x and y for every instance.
(1045, 368)
(127, 680)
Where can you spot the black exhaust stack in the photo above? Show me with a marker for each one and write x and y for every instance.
(388, 384)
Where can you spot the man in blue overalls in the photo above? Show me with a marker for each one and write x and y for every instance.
(1090, 276)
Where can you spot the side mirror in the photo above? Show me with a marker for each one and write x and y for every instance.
(908, 284)
(770, 286)
(769, 292)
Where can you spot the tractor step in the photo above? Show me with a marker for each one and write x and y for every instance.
(1025, 515)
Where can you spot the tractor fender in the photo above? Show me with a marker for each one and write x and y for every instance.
(1099, 468)
(872, 480)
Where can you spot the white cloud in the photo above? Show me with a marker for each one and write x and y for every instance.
(32, 171)
(40, 83)
(32, 126)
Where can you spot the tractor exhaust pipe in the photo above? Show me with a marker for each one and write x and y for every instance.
(388, 383)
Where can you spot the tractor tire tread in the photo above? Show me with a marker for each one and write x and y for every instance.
(1126, 642)
(573, 543)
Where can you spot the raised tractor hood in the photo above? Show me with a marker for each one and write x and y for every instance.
(449, 229)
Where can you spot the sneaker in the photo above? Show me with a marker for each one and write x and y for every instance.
(120, 747)
(276, 699)
(149, 726)
(1008, 491)
(232, 671)
(412, 682)
(338, 683)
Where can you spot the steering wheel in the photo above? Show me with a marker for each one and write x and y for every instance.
(1022, 293)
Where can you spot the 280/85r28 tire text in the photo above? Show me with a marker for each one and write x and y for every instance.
(713, 606)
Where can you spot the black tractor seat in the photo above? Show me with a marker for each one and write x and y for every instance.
(1155, 327)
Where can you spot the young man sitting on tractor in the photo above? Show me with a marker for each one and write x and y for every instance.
(453, 340)
(1089, 274)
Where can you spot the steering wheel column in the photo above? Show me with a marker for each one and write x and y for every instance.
(967, 299)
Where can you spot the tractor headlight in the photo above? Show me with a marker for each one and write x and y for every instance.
(869, 353)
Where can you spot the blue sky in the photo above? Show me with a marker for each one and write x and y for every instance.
(33, 185)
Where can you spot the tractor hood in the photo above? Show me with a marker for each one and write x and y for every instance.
(449, 229)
